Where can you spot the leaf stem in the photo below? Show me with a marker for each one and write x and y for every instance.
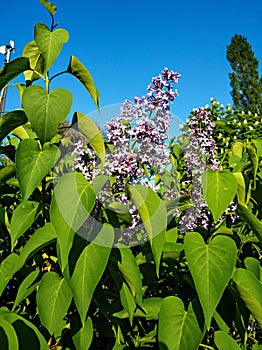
(56, 75)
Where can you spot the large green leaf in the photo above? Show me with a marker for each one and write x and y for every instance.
(220, 189)
(178, 329)
(31, 51)
(65, 236)
(51, 8)
(224, 342)
(130, 271)
(53, 300)
(83, 338)
(10, 334)
(153, 214)
(253, 222)
(12, 70)
(46, 111)
(75, 199)
(7, 269)
(89, 269)
(211, 266)
(50, 43)
(22, 218)
(78, 70)
(10, 121)
(26, 287)
(250, 290)
(33, 339)
(33, 164)
(93, 136)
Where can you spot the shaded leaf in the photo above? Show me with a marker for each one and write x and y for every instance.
(10, 121)
(250, 290)
(88, 271)
(151, 309)
(211, 266)
(153, 214)
(26, 287)
(253, 222)
(12, 69)
(10, 334)
(128, 302)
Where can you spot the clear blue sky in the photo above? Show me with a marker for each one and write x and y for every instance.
(124, 44)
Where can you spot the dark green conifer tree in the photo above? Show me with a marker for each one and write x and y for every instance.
(245, 80)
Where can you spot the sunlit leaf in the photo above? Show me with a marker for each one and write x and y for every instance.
(53, 300)
(92, 134)
(31, 51)
(78, 70)
(51, 8)
(50, 43)
(178, 329)
(22, 218)
(83, 338)
(220, 189)
(46, 111)
(224, 342)
(33, 163)
(26, 287)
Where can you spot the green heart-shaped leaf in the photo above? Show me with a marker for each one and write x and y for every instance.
(250, 289)
(46, 111)
(211, 266)
(31, 51)
(220, 189)
(50, 43)
(178, 329)
(32, 164)
(224, 342)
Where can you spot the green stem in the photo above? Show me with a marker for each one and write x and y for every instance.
(56, 75)
(207, 346)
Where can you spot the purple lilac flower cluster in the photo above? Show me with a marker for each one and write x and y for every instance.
(136, 142)
(139, 133)
(199, 156)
